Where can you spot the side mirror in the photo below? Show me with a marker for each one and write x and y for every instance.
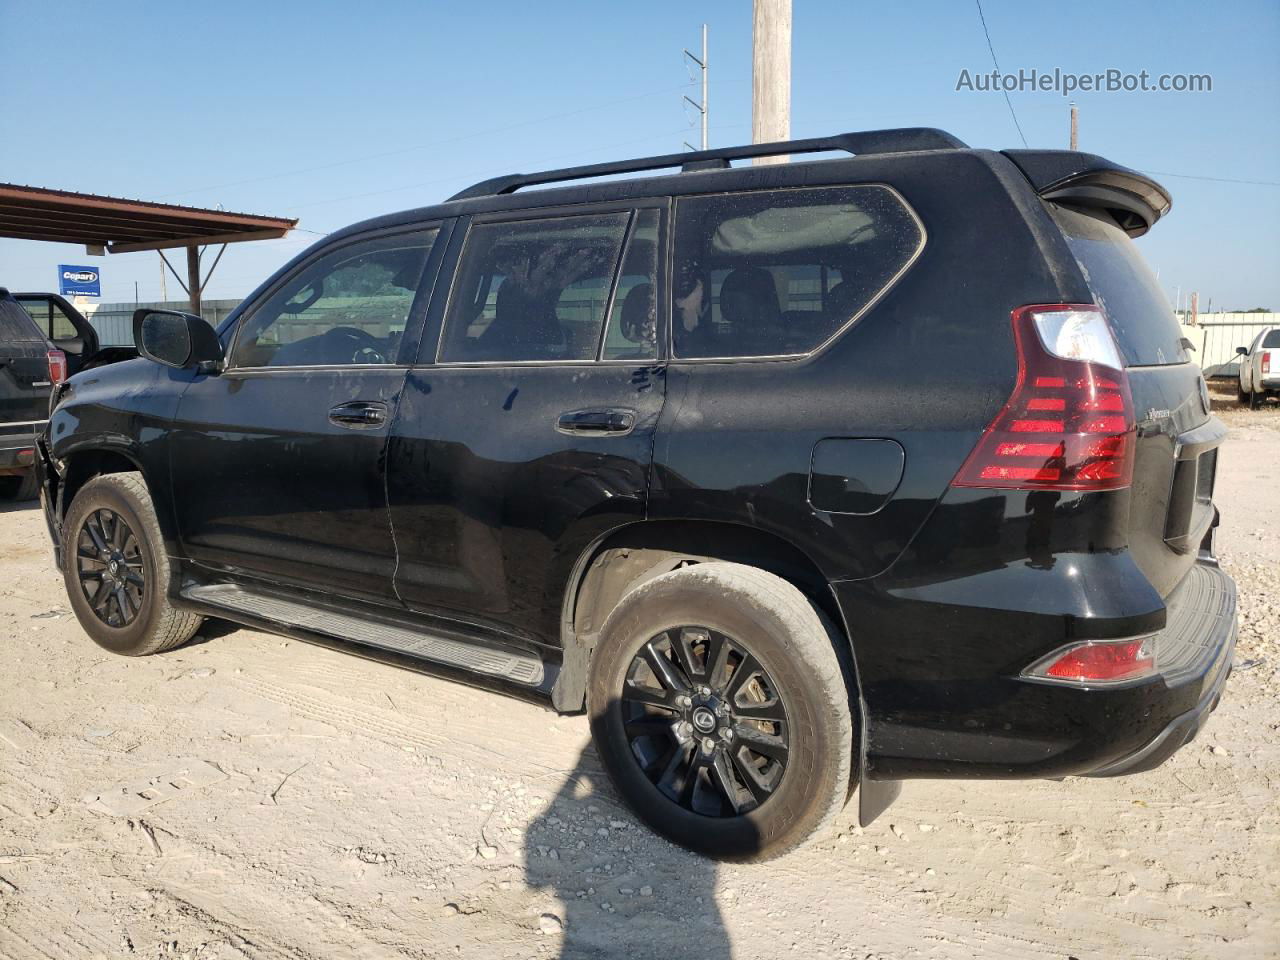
(1243, 351)
(177, 340)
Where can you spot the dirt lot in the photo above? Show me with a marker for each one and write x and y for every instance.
(286, 801)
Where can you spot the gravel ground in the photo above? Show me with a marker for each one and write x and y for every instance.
(248, 796)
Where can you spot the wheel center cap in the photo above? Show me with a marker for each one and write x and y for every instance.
(704, 721)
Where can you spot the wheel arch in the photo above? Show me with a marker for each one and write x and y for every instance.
(631, 555)
(81, 465)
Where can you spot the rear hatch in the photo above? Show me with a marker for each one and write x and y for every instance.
(1171, 508)
(24, 372)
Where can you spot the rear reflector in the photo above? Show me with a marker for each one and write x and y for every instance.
(57, 366)
(1097, 661)
(1069, 424)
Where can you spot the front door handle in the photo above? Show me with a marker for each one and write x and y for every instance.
(359, 413)
(600, 423)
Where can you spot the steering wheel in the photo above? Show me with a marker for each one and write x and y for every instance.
(365, 347)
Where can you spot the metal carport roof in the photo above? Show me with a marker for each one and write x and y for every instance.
(117, 225)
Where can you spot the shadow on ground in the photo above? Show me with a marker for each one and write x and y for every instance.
(625, 892)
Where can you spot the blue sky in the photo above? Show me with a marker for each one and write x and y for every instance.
(336, 112)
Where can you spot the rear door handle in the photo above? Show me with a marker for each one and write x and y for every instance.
(359, 413)
(599, 423)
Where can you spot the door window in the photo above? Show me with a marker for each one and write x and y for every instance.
(50, 317)
(632, 331)
(778, 273)
(350, 306)
(534, 290)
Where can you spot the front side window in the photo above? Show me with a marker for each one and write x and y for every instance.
(350, 306)
(534, 290)
(778, 273)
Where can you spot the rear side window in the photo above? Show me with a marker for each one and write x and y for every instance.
(50, 317)
(1124, 287)
(778, 273)
(15, 324)
(534, 290)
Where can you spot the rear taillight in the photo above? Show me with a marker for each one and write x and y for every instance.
(1098, 661)
(1266, 361)
(1069, 424)
(57, 366)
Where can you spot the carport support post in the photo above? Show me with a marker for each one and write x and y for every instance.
(193, 278)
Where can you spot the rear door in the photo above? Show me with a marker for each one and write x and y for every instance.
(526, 431)
(24, 370)
(1171, 508)
(63, 324)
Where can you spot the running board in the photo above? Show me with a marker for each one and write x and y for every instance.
(460, 654)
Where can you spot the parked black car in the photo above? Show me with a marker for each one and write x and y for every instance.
(796, 477)
(29, 367)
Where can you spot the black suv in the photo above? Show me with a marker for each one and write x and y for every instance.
(30, 365)
(796, 477)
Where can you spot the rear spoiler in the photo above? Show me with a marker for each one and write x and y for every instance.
(1087, 180)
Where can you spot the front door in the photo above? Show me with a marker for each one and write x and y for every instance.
(278, 462)
(526, 430)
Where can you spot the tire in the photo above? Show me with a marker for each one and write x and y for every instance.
(22, 487)
(1242, 397)
(143, 621)
(1255, 399)
(800, 679)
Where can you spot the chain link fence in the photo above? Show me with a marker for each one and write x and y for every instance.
(114, 321)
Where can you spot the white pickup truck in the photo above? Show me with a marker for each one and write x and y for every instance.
(1260, 368)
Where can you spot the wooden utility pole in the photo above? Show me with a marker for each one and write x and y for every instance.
(193, 278)
(771, 74)
(1195, 308)
(1075, 127)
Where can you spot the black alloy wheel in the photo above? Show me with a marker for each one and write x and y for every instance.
(705, 722)
(110, 566)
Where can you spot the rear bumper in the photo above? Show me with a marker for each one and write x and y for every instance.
(1177, 734)
(17, 446)
(946, 699)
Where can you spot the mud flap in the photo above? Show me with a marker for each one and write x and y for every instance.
(874, 798)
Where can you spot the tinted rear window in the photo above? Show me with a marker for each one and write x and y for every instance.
(1271, 340)
(15, 324)
(780, 272)
(1124, 286)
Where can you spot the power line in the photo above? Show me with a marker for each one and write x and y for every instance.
(1191, 176)
(438, 143)
(472, 175)
(996, 63)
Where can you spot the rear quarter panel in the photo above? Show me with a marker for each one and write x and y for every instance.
(928, 367)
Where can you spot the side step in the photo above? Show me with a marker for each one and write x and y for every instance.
(509, 665)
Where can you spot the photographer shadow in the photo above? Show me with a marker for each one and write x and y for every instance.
(623, 891)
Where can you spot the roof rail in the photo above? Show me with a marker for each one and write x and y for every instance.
(901, 140)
